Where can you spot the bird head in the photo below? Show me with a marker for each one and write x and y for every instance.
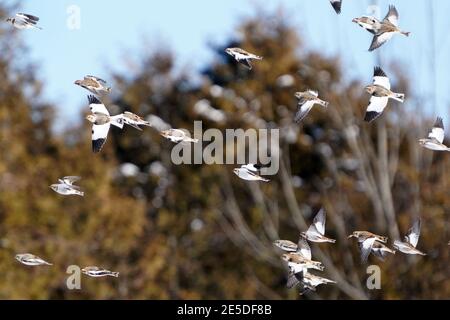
(90, 118)
(54, 187)
(165, 133)
(277, 243)
(236, 171)
(285, 257)
(229, 51)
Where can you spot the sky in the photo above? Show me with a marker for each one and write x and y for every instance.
(109, 31)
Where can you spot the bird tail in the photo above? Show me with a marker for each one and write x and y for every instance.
(80, 193)
(399, 97)
(264, 179)
(406, 33)
(115, 274)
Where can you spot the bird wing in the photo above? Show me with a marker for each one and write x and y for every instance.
(246, 63)
(375, 108)
(95, 79)
(438, 131)
(366, 248)
(380, 78)
(96, 106)
(70, 179)
(412, 237)
(379, 40)
(304, 106)
(392, 16)
(28, 18)
(337, 5)
(99, 135)
(319, 221)
(304, 249)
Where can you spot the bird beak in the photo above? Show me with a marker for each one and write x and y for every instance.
(355, 20)
(350, 236)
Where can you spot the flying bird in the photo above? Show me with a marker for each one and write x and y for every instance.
(307, 281)
(286, 245)
(297, 262)
(24, 21)
(389, 27)
(94, 85)
(366, 242)
(101, 121)
(435, 137)
(337, 5)
(177, 135)
(380, 92)
(369, 23)
(306, 100)
(411, 239)
(249, 172)
(134, 120)
(66, 187)
(242, 56)
(316, 231)
(97, 272)
(31, 260)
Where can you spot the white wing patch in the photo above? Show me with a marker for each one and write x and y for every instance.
(96, 106)
(366, 248)
(319, 221)
(438, 134)
(382, 81)
(377, 104)
(304, 248)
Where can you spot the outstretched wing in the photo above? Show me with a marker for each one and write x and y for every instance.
(96, 106)
(438, 131)
(337, 5)
(70, 179)
(95, 79)
(99, 136)
(304, 106)
(319, 221)
(379, 40)
(375, 108)
(412, 237)
(246, 63)
(304, 248)
(366, 247)
(392, 16)
(380, 78)
(28, 18)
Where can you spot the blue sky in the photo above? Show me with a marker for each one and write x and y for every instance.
(113, 30)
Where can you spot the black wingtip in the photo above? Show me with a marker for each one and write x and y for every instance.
(93, 100)
(97, 145)
(371, 116)
(378, 72)
(337, 6)
(439, 123)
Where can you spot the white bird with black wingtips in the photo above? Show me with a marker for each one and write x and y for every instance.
(435, 137)
(66, 186)
(380, 92)
(24, 21)
(101, 121)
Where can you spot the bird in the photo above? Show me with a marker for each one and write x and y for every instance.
(306, 100)
(316, 231)
(307, 280)
(366, 241)
(134, 120)
(242, 56)
(24, 21)
(31, 260)
(337, 5)
(97, 272)
(380, 92)
(286, 245)
(369, 23)
(66, 187)
(388, 27)
(435, 137)
(94, 85)
(297, 262)
(177, 135)
(101, 121)
(249, 173)
(411, 239)
(380, 250)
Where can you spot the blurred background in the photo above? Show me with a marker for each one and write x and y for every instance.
(197, 231)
